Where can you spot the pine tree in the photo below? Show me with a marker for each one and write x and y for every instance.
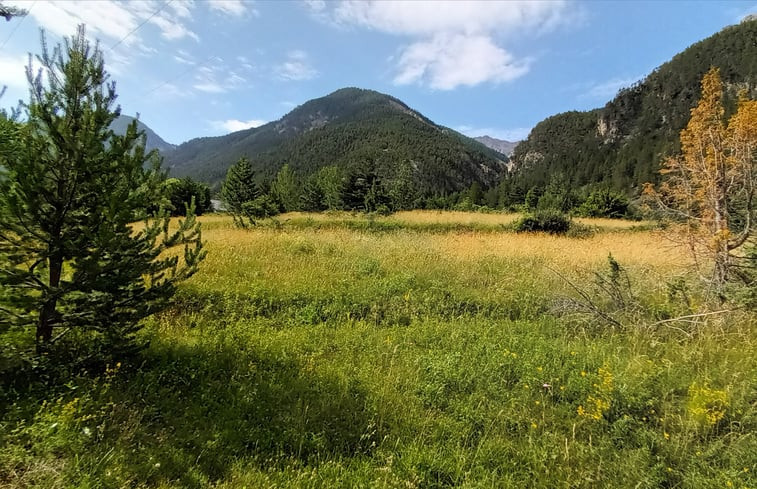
(238, 189)
(71, 259)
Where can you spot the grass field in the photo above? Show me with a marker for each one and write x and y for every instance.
(422, 349)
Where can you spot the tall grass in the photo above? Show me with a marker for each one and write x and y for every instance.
(336, 356)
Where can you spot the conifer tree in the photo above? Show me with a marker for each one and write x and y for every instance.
(238, 189)
(71, 259)
(286, 190)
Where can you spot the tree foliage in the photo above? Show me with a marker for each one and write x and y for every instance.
(239, 188)
(710, 185)
(622, 144)
(184, 193)
(71, 259)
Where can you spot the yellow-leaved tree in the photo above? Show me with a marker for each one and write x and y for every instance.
(709, 188)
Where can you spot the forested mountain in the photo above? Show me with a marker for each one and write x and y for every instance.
(354, 130)
(623, 143)
(153, 140)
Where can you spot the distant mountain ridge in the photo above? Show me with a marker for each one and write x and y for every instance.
(622, 144)
(153, 140)
(501, 145)
(348, 128)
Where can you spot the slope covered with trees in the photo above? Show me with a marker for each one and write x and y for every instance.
(622, 144)
(356, 130)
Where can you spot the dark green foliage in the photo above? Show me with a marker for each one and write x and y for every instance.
(345, 128)
(548, 221)
(182, 192)
(330, 180)
(604, 203)
(312, 198)
(286, 190)
(558, 195)
(260, 208)
(238, 188)
(622, 144)
(70, 260)
(364, 191)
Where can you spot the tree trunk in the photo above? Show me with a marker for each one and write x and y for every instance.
(48, 312)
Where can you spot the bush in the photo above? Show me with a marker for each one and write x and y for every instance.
(604, 203)
(260, 208)
(548, 221)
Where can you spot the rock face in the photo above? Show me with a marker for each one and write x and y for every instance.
(622, 144)
(500, 145)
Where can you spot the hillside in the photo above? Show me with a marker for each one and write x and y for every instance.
(500, 145)
(349, 128)
(622, 143)
(153, 140)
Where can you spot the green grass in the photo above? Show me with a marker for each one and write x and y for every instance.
(340, 357)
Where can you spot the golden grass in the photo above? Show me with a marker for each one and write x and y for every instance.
(330, 261)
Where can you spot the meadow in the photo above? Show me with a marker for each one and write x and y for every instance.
(422, 349)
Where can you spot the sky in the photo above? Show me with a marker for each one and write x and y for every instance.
(210, 67)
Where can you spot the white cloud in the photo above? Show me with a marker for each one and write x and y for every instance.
(297, 67)
(233, 125)
(453, 43)
(446, 62)
(232, 7)
(13, 69)
(172, 30)
(217, 78)
(113, 19)
(423, 17)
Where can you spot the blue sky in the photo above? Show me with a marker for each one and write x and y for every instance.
(202, 68)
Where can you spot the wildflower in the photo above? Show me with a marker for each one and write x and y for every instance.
(534, 425)
(666, 435)
(583, 374)
(546, 386)
(539, 369)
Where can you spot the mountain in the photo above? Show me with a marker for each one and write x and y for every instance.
(153, 140)
(622, 143)
(500, 145)
(351, 128)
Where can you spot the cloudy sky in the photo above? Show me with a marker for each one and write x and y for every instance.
(209, 67)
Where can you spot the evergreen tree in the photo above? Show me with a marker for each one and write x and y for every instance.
(311, 198)
(331, 182)
(286, 190)
(71, 259)
(239, 188)
(185, 191)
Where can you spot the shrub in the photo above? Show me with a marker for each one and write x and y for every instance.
(604, 203)
(548, 221)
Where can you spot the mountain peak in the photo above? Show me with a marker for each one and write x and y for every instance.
(349, 127)
(153, 141)
(500, 145)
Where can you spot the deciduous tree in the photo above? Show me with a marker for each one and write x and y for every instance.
(709, 188)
